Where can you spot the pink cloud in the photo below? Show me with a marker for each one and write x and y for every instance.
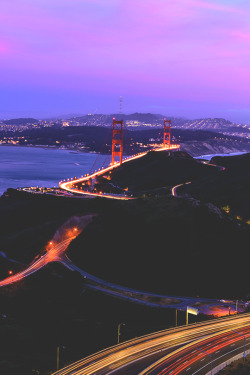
(158, 47)
(213, 6)
(241, 35)
(4, 48)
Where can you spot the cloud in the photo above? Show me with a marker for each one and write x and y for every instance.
(185, 47)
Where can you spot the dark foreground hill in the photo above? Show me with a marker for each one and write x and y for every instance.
(161, 244)
(167, 245)
(229, 189)
(157, 170)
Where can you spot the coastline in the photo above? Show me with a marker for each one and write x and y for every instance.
(47, 147)
(196, 152)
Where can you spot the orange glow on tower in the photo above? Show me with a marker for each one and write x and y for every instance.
(117, 140)
(167, 133)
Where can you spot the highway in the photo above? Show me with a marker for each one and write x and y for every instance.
(174, 189)
(54, 251)
(52, 255)
(203, 355)
(216, 336)
(69, 185)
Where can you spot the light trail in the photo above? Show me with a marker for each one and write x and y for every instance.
(174, 188)
(56, 253)
(69, 185)
(51, 256)
(112, 359)
(182, 359)
(55, 249)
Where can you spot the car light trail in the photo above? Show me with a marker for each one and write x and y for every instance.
(55, 250)
(69, 185)
(112, 359)
(183, 358)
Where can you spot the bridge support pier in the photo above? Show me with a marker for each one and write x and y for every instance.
(167, 133)
(117, 140)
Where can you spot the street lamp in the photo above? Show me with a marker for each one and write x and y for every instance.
(119, 331)
(244, 354)
(57, 356)
(210, 357)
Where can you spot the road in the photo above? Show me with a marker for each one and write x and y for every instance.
(70, 184)
(55, 248)
(135, 352)
(174, 188)
(56, 252)
(52, 255)
(203, 355)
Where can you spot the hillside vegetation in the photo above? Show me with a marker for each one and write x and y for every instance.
(157, 169)
(229, 189)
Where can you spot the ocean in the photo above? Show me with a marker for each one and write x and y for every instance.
(36, 166)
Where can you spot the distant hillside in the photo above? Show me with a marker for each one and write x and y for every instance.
(20, 121)
(98, 138)
(217, 125)
(209, 123)
(141, 118)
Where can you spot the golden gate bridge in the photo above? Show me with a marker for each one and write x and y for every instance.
(85, 184)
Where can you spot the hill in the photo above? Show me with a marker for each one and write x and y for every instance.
(20, 121)
(229, 189)
(158, 236)
(98, 138)
(158, 170)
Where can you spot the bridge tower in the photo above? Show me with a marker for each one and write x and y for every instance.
(117, 140)
(167, 133)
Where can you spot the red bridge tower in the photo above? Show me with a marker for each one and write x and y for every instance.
(167, 133)
(117, 140)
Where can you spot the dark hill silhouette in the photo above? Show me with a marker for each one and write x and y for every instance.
(20, 121)
(157, 169)
(228, 188)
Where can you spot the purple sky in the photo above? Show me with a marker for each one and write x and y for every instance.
(188, 58)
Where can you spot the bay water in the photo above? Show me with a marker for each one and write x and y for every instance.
(44, 167)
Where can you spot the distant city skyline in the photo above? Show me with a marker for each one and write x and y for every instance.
(187, 59)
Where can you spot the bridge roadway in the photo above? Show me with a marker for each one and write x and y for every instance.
(70, 184)
(182, 350)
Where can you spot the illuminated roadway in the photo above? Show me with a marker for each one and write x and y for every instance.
(69, 185)
(216, 337)
(52, 255)
(56, 253)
